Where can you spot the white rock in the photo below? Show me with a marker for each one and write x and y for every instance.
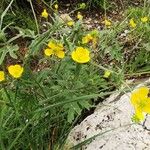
(113, 117)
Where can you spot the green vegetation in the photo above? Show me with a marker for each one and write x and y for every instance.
(57, 84)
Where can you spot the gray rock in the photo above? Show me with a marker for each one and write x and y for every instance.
(112, 125)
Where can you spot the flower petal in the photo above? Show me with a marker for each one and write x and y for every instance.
(81, 55)
(44, 13)
(139, 94)
(15, 70)
(139, 115)
(107, 74)
(51, 45)
(60, 54)
(2, 76)
(59, 47)
(48, 52)
(146, 108)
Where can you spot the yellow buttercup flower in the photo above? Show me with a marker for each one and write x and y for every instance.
(56, 6)
(70, 23)
(141, 102)
(44, 14)
(139, 95)
(48, 52)
(138, 116)
(107, 74)
(144, 19)
(132, 23)
(2, 76)
(91, 37)
(55, 49)
(107, 22)
(79, 16)
(81, 55)
(15, 70)
(86, 39)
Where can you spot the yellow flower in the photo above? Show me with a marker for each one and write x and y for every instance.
(70, 23)
(55, 49)
(91, 37)
(107, 23)
(139, 95)
(81, 55)
(2, 76)
(15, 70)
(48, 52)
(132, 23)
(56, 6)
(107, 74)
(79, 16)
(144, 19)
(138, 116)
(44, 14)
(141, 102)
(86, 39)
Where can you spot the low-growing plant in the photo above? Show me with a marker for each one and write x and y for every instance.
(64, 70)
(39, 103)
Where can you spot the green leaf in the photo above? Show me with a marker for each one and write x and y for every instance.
(37, 44)
(11, 49)
(4, 13)
(70, 115)
(85, 97)
(2, 36)
(72, 108)
(26, 32)
(75, 107)
(85, 104)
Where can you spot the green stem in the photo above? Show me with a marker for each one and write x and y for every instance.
(36, 22)
(138, 73)
(8, 96)
(4, 13)
(77, 71)
(103, 68)
(1, 127)
(14, 38)
(41, 88)
(1, 142)
(18, 136)
(59, 65)
(16, 92)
